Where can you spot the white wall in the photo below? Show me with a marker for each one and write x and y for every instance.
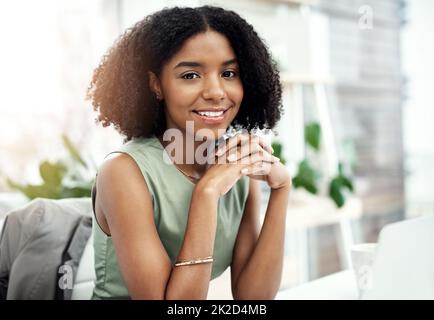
(418, 66)
(417, 44)
(48, 51)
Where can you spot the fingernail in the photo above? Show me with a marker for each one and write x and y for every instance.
(220, 152)
(232, 157)
(244, 170)
(272, 150)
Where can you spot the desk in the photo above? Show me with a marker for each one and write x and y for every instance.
(337, 286)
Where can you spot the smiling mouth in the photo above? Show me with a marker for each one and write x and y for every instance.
(212, 117)
(210, 114)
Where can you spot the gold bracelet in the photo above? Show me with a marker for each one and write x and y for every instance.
(194, 261)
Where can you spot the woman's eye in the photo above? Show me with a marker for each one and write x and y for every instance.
(228, 74)
(189, 76)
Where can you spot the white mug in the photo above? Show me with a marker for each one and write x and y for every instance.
(363, 256)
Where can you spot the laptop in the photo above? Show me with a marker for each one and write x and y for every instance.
(404, 262)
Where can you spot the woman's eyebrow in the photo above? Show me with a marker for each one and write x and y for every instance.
(197, 64)
(231, 61)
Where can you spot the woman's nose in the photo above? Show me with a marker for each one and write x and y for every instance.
(214, 90)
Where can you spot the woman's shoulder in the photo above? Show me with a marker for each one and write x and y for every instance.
(143, 152)
(115, 165)
(138, 158)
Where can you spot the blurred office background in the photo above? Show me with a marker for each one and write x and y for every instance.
(362, 69)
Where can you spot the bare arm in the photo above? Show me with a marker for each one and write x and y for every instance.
(192, 282)
(146, 268)
(126, 206)
(258, 257)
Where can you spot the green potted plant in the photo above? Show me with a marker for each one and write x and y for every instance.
(71, 177)
(309, 176)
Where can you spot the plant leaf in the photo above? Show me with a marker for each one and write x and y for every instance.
(306, 177)
(52, 174)
(337, 184)
(75, 192)
(345, 182)
(63, 179)
(34, 191)
(14, 185)
(336, 193)
(73, 150)
(312, 134)
(278, 151)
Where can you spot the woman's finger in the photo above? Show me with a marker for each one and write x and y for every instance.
(260, 155)
(258, 168)
(243, 146)
(245, 150)
(252, 150)
(264, 144)
(231, 143)
(242, 139)
(256, 161)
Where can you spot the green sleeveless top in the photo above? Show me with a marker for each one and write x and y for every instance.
(171, 193)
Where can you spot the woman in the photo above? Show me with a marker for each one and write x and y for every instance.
(164, 230)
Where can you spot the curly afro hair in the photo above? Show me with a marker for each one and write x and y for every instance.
(120, 90)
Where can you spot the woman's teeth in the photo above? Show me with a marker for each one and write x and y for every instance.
(210, 113)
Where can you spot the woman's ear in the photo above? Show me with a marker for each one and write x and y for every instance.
(155, 86)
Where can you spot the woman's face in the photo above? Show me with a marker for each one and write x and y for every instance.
(203, 76)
